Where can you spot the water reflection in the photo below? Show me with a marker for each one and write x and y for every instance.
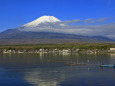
(39, 78)
(52, 76)
(112, 57)
(57, 57)
(51, 69)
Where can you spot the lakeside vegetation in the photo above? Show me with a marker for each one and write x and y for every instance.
(73, 47)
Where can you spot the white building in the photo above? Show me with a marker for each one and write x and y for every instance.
(112, 49)
(66, 51)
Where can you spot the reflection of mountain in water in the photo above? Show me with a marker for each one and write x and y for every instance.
(50, 69)
(54, 76)
(44, 77)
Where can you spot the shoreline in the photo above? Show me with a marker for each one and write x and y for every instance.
(89, 48)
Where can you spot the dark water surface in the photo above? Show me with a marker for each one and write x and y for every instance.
(46, 69)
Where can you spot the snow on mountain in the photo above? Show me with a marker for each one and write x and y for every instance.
(42, 19)
(54, 25)
(49, 27)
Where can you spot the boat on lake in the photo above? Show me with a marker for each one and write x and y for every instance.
(111, 65)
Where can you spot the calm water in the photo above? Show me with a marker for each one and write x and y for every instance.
(52, 70)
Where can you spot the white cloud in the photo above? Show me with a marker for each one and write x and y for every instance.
(91, 20)
(101, 20)
(106, 30)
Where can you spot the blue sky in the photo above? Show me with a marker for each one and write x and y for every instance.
(14, 13)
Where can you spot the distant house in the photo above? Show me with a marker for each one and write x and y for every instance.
(66, 51)
(41, 50)
(112, 49)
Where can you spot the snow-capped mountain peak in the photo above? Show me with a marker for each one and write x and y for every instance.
(42, 19)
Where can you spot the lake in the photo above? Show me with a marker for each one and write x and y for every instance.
(52, 69)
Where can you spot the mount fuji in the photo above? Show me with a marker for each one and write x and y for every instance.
(43, 24)
(46, 29)
(43, 19)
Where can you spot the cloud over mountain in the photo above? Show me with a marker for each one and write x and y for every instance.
(52, 24)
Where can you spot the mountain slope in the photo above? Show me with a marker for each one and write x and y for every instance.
(46, 29)
(23, 37)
